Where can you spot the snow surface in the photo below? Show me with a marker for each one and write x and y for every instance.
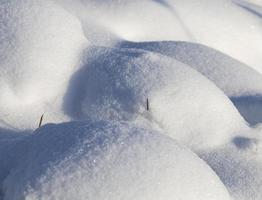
(239, 165)
(115, 84)
(106, 160)
(238, 81)
(234, 78)
(98, 62)
(253, 7)
(38, 54)
(220, 24)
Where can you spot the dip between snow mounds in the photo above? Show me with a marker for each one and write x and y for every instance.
(40, 45)
(115, 83)
(239, 165)
(107, 160)
(222, 24)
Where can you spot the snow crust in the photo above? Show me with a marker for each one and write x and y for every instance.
(107, 160)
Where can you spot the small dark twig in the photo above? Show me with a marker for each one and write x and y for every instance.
(41, 120)
(147, 104)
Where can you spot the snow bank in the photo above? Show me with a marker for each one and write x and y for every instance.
(238, 81)
(239, 165)
(107, 160)
(222, 24)
(39, 53)
(40, 46)
(231, 76)
(115, 84)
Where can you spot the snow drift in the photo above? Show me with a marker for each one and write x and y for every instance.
(40, 47)
(238, 81)
(239, 164)
(107, 160)
(115, 84)
(51, 62)
(234, 78)
(222, 24)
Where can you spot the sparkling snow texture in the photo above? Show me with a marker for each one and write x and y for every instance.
(107, 160)
(198, 63)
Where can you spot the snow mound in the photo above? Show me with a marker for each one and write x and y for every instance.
(238, 81)
(107, 22)
(38, 53)
(239, 165)
(116, 83)
(231, 76)
(107, 160)
(222, 24)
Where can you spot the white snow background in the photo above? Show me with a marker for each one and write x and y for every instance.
(90, 66)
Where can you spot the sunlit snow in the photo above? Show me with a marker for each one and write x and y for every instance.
(140, 99)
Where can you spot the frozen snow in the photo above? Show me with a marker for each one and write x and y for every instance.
(107, 160)
(250, 108)
(239, 165)
(115, 84)
(39, 55)
(220, 24)
(234, 78)
(97, 63)
(253, 6)
(238, 81)
(40, 47)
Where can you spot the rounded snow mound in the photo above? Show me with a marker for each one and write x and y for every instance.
(108, 160)
(38, 53)
(234, 78)
(239, 164)
(116, 83)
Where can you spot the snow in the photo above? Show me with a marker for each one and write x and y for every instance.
(38, 55)
(107, 160)
(115, 83)
(239, 164)
(241, 83)
(253, 7)
(96, 64)
(222, 25)
(250, 108)
(234, 78)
